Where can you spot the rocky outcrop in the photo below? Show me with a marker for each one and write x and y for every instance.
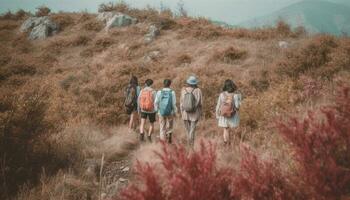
(283, 44)
(39, 27)
(116, 19)
(153, 33)
(151, 56)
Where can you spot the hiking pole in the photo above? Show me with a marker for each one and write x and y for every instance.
(101, 170)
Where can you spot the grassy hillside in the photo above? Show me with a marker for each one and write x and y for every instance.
(61, 100)
(316, 16)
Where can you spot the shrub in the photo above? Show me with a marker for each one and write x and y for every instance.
(314, 55)
(283, 29)
(120, 6)
(67, 82)
(322, 148)
(262, 84)
(261, 179)
(183, 176)
(104, 42)
(42, 11)
(63, 20)
(21, 14)
(93, 25)
(20, 68)
(183, 60)
(8, 15)
(229, 55)
(22, 129)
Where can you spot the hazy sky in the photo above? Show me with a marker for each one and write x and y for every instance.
(231, 11)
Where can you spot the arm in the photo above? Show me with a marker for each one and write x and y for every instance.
(182, 100)
(199, 98)
(218, 105)
(237, 98)
(138, 101)
(156, 101)
(174, 102)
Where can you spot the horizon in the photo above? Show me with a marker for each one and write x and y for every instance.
(229, 11)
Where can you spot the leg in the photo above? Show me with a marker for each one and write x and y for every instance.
(136, 120)
(131, 121)
(188, 130)
(170, 126)
(192, 131)
(142, 134)
(152, 119)
(162, 124)
(226, 135)
(151, 128)
(142, 125)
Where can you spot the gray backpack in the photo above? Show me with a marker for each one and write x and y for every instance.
(189, 103)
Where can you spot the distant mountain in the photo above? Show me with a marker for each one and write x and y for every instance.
(343, 2)
(317, 16)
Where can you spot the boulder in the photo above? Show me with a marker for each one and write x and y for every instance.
(283, 44)
(39, 27)
(120, 21)
(153, 33)
(153, 55)
(115, 19)
(105, 16)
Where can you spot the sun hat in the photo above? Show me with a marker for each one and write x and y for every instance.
(192, 80)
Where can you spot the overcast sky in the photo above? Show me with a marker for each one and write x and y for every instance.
(230, 11)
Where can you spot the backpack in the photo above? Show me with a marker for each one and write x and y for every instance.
(166, 103)
(146, 100)
(189, 102)
(130, 96)
(228, 109)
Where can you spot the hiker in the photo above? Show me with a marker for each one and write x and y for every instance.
(227, 109)
(191, 102)
(146, 109)
(131, 95)
(165, 104)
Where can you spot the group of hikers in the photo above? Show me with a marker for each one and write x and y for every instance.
(146, 102)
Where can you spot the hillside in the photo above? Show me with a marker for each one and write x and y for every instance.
(317, 16)
(342, 2)
(63, 127)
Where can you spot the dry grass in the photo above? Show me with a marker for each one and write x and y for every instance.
(86, 70)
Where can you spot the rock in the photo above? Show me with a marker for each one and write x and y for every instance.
(122, 180)
(153, 33)
(39, 27)
(126, 169)
(153, 55)
(120, 21)
(283, 44)
(39, 32)
(115, 19)
(105, 16)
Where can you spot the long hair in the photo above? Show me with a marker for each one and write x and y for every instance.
(229, 86)
(134, 81)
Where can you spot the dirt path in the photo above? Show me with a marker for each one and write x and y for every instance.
(117, 162)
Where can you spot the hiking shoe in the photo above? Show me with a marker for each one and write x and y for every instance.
(149, 138)
(169, 137)
(142, 137)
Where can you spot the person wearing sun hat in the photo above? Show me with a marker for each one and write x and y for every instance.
(191, 102)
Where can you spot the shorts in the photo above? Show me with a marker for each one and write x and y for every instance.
(130, 110)
(150, 116)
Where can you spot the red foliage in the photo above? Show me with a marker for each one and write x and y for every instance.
(187, 176)
(322, 153)
(261, 179)
(322, 148)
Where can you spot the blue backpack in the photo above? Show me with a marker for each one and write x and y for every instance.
(166, 103)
